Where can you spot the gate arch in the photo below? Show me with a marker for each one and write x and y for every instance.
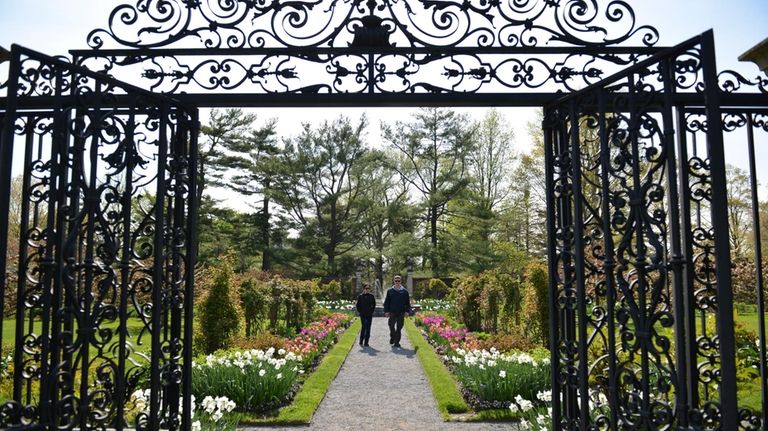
(384, 53)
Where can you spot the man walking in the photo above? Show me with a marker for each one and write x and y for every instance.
(366, 303)
(396, 304)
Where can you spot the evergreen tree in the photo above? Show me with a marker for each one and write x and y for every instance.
(434, 148)
(320, 186)
(219, 318)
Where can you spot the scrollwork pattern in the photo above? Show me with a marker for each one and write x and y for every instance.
(322, 23)
(89, 251)
(620, 304)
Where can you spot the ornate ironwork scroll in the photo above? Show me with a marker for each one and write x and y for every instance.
(104, 276)
(643, 335)
(378, 47)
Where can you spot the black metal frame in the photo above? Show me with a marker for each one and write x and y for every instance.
(373, 53)
(639, 250)
(637, 209)
(106, 232)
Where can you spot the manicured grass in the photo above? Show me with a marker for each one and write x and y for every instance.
(134, 325)
(749, 320)
(444, 386)
(313, 390)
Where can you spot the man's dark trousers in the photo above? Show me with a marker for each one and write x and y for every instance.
(396, 321)
(365, 333)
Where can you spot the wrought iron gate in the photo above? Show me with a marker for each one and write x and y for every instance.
(642, 319)
(103, 271)
(640, 265)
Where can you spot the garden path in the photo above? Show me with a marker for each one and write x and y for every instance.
(381, 388)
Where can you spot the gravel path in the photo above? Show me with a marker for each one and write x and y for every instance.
(380, 388)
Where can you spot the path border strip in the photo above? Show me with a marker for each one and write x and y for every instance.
(445, 389)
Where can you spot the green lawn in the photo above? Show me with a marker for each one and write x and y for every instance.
(749, 320)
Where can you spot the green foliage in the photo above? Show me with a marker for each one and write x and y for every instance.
(437, 289)
(497, 300)
(466, 295)
(330, 291)
(219, 317)
(317, 183)
(434, 288)
(434, 148)
(254, 298)
(502, 377)
(536, 303)
(291, 301)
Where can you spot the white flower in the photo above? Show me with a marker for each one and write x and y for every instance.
(524, 424)
(524, 404)
(209, 404)
(262, 372)
(216, 416)
(545, 396)
(513, 407)
(279, 376)
(196, 426)
(502, 374)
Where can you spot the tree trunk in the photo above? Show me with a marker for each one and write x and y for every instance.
(266, 253)
(380, 268)
(433, 237)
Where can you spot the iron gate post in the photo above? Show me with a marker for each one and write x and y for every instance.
(716, 152)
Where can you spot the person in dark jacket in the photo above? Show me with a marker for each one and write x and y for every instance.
(397, 304)
(366, 303)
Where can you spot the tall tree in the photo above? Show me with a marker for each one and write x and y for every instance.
(525, 219)
(491, 161)
(319, 183)
(475, 216)
(434, 148)
(739, 210)
(389, 212)
(251, 163)
(225, 129)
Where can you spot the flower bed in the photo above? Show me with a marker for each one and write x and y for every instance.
(490, 378)
(253, 380)
(263, 380)
(317, 337)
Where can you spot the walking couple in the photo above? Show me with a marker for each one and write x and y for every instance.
(397, 303)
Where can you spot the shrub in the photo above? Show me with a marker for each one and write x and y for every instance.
(535, 302)
(260, 341)
(508, 342)
(294, 300)
(330, 291)
(219, 317)
(434, 288)
(254, 299)
(466, 297)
